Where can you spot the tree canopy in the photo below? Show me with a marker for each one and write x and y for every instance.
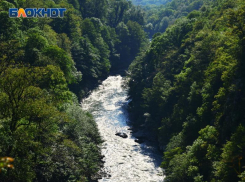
(42, 62)
(190, 84)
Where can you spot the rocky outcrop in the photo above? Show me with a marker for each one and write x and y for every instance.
(121, 134)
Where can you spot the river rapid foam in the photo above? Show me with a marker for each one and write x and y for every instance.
(125, 160)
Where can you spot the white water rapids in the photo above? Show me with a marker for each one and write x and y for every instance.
(125, 160)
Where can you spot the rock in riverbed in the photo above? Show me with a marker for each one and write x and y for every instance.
(121, 134)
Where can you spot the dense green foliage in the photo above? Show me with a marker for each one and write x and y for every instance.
(41, 123)
(158, 18)
(189, 89)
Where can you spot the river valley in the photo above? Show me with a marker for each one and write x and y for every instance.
(125, 160)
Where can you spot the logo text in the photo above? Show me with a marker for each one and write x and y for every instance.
(35, 13)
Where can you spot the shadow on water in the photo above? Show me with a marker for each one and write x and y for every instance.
(151, 151)
(147, 148)
(124, 159)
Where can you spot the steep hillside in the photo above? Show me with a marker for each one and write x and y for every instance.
(42, 125)
(188, 87)
(158, 18)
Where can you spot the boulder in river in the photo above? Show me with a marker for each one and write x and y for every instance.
(121, 134)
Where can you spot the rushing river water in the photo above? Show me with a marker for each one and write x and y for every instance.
(125, 160)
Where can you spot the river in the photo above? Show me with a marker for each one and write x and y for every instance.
(125, 160)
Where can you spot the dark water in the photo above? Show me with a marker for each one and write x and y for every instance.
(125, 160)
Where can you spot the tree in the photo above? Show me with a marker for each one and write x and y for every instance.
(60, 58)
(231, 165)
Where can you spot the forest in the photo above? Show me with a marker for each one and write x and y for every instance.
(46, 66)
(188, 87)
(159, 17)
